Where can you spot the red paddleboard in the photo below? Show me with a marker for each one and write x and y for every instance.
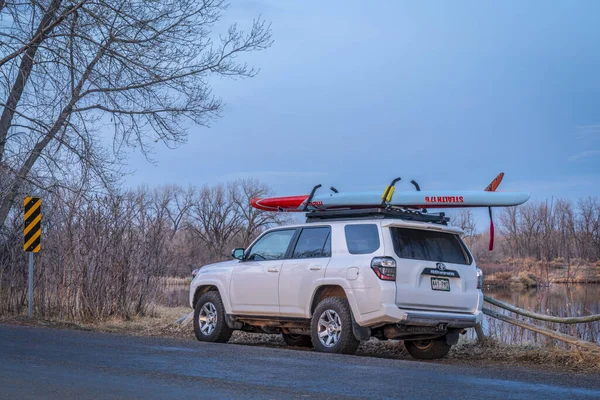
(284, 203)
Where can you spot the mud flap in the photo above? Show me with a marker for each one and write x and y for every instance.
(232, 323)
(452, 336)
(361, 332)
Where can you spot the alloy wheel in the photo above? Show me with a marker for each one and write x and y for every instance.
(208, 318)
(329, 328)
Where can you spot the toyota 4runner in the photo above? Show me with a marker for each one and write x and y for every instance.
(342, 278)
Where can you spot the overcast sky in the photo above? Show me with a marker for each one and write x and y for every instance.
(355, 93)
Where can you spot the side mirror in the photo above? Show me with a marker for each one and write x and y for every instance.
(238, 253)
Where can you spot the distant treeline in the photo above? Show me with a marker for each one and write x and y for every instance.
(543, 231)
(105, 255)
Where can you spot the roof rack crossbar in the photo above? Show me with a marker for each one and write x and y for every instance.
(378, 212)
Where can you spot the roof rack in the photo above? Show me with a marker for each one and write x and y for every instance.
(377, 212)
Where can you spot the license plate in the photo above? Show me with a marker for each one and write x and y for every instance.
(440, 284)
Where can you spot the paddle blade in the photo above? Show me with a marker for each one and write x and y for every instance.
(491, 246)
(495, 183)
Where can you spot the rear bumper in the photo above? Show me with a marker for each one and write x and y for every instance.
(391, 314)
(451, 320)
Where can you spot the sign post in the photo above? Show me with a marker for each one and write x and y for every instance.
(32, 234)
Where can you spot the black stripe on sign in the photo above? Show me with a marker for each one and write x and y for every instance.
(35, 244)
(32, 217)
(32, 232)
(33, 201)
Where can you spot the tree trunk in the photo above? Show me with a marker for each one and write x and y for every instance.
(24, 72)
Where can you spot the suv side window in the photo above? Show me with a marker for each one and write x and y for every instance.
(313, 242)
(271, 246)
(362, 238)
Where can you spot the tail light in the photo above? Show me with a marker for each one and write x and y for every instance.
(479, 278)
(384, 268)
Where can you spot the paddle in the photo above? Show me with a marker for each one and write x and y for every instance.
(492, 188)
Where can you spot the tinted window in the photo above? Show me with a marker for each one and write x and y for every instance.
(313, 242)
(362, 239)
(272, 246)
(429, 245)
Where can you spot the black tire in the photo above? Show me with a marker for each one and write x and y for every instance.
(218, 332)
(297, 340)
(345, 343)
(431, 349)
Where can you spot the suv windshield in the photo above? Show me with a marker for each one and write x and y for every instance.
(427, 245)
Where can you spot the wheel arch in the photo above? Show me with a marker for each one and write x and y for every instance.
(324, 291)
(200, 290)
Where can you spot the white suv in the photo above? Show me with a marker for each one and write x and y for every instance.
(344, 277)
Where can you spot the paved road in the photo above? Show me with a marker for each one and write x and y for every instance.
(52, 363)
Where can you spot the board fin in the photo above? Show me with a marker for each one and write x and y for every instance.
(495, 183)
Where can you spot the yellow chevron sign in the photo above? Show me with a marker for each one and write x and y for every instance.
(32, 234)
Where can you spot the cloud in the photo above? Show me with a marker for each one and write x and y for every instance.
(585, 155)
(588, 133)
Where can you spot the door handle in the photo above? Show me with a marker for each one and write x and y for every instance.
(315, 268)
(273, 269)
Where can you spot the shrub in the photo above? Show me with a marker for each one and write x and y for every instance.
(503, 276)
(527, 279)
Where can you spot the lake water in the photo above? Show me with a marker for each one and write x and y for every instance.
(558, 300)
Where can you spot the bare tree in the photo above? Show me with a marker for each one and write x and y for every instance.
(69, 69)
(254, 220)
(215, 220)
(465, 221)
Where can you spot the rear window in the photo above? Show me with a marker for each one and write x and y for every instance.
(426, 245)
(362, 238)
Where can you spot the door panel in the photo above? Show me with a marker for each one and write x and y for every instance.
(254, 287)
(296, 284)
(255, 281)
(299, 274)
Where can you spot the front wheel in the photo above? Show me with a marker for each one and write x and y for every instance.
(331, 327)
(209, 319)
(430, 349)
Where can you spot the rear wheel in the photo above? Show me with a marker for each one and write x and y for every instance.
(209, 319)
(297, 340)
(430, 349)
(331, 327)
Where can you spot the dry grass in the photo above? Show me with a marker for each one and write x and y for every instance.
(161, 324)
(175, 281)
(549, 357)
